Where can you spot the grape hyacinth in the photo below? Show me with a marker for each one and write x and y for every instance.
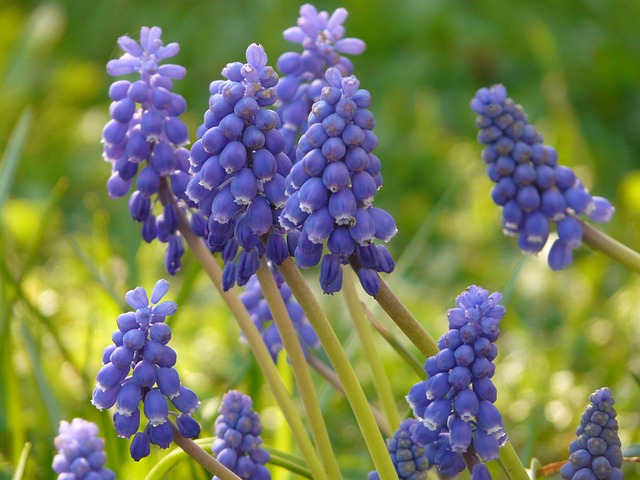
(258, 308)
(238, 441)
(456, 403)
(80, 452)
(140, 346)
(596, 453)
(531, 187)
(239, 168)
(408, 458)
(146, 137)
(332, 186)
(320, 36)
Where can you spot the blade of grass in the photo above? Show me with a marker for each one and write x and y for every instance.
(23, 462)
(13, 153)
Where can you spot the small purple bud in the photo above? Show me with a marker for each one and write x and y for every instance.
(127, 425)
(369, 280)
(155, 407)
(161, 435)
(186, 401)
(140, 446)
(144, 374)
(188, 427)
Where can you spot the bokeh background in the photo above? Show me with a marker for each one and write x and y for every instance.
(69, 253)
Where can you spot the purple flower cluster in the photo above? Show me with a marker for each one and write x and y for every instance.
(80, 452)
(531, 187)
(140, 344)
(146, 137)
(456, 403)
(257, 306)
(332, 185)
(239, 168)
(408, 458)
(596, 453)
(238, 441)
(320, 35)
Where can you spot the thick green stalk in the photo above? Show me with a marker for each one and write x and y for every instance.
(343, 368)
(300, 369)
(379, 376)
(512, 463)
(259, 349)
(613, 249)
(203, 458)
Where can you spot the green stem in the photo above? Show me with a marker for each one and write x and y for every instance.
(613, 249)
(402, 316)
(300, 369)
(379, 376)
(331, 377)
(512, 463)
(258, 347)
(203, 458)
(343, 368)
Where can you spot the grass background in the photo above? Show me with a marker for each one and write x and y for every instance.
(69, 253)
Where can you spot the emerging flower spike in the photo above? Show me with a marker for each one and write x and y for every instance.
(80, 452)
(238, 441)
(531, 187)
(140, 347)
(146, 137)
(596, 453)
(257, 306)
(239, 168)
(320, 35)
(409, 458)
(332, 186)
(456, 403)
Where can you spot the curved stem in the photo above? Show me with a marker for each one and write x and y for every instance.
(258, 347)
(300, 369)
(203, 458)
(343, 368)
(402, 316)
(379, 376)
(613, 249)
(512, 463)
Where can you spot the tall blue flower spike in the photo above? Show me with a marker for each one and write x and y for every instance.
(532, 188)
(238, 442)
(332, 186)
(321, 37)
(596, 453)
(146, 138)
(80, 452)
(409, 459)
(239, 168)
(258, 308)
(140, 368)
(455, 405)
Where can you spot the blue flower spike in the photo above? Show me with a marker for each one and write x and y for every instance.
(140, 368)
(532, 188)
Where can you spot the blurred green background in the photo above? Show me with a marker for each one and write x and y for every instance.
(69, 253)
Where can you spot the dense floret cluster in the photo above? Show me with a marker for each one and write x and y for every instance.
(239, 168)
(320, 36)
(238, 441)
(332, 185)
(456, 403)
(146, 137)
(258, 308)
(531, 187)
(140, 344)
(80, 452)
(596, 453)
(409, 458)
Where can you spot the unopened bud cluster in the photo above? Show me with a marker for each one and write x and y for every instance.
(145, 137)
(238, 442)
(140, 347)
(408, 458)
(239, 168)
(258, 308)
(455, 405)
(532, 188)
(332, 186)
(80, 452)
(596, 453)
(320, 36)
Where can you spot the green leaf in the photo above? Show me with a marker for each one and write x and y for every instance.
(13, 153)
(23, 461)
